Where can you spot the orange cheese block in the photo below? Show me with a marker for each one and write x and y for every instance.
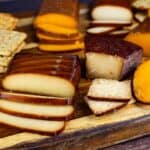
(63, 13)
(56, 40)
(141, 36)
(149, 12)
(61, 47)
(61, 20)
(141, 39)
(141, 82)
(56, 30)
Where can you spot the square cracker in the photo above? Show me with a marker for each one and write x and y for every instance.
(10, 41)
(7, 21)
(4, 61)
(3, 69)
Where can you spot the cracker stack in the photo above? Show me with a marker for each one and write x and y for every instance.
(57, 26)
(11, 42)
(39, 92)
(7, 21)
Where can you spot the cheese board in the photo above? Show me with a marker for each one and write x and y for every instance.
(85, 130)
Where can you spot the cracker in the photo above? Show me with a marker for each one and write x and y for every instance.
(7, 21)
(3, 69)
(10, 41)
(4, 61)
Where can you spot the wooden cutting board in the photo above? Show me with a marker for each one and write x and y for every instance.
(85, 131)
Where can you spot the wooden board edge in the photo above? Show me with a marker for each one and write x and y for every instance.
(93, 138)
(87, 124)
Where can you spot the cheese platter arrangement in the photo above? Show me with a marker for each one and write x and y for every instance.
(75, 76)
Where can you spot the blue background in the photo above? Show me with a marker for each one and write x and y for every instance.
(22, 5)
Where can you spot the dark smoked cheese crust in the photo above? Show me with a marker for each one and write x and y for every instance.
(111, 46)
(121, 3)
(67, 67)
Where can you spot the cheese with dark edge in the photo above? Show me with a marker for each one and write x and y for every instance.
(33, 125)
(107, 90)
(103, 107)
(43, 74)
(108, 23)
(32, 110)
(34, 99)
(111, 58)
(119, 10)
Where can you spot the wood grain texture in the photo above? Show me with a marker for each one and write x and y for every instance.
(138, 144)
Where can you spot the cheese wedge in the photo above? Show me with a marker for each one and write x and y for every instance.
(110, 90)
(110, 57)
(102, 107)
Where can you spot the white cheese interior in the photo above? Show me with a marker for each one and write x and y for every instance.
(100, 107)
(35, 109)
(100, 29)
(118, 32)
(111, 22)
(111, 89)
(101, 65)
(111, 13)
(31, 124)
(39, 84)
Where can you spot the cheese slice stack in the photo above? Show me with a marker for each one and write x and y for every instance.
(40, 88)
(113, 25)
(57, 26)
(103, 95)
